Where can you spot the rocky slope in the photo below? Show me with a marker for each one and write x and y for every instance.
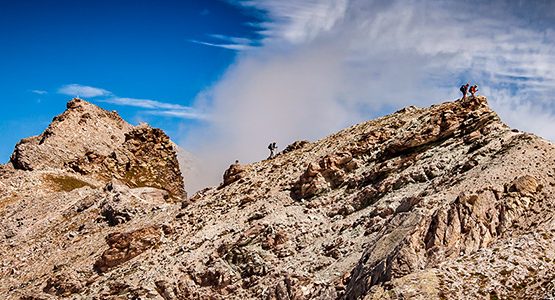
(445, 202)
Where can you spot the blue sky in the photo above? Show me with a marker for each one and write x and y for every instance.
(225, 78)
(133, 49)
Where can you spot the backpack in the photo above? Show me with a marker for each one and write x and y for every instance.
(463, 88)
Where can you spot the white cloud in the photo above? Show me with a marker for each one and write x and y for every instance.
(327, 64)
(236, 47)
(228, 42)
(39, 92)
(190, 114)
(522, 114)
(299, 21)
(232, 39)
(152, 107)
(159, 108)
(77, 90)
(143, 103)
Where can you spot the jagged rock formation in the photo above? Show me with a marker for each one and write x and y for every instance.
(92, 141)
(445, 202)
(83, 128)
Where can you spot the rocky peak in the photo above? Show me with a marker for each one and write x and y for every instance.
(94, 142)
(444, 202)
(82, 128)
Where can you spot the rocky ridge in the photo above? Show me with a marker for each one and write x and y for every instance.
(426, 203)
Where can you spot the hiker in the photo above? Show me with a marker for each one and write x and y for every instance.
(464, 90)
(473, 90)
(272, 147)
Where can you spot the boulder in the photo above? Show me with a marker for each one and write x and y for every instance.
(233, 173)
(125, 246)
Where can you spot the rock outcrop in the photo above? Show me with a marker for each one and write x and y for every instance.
(444, 202)
(125, 246)
(233, 173)
(94, 142)
(82, 130)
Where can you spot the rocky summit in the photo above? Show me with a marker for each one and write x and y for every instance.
(91, 141)
(444, 202)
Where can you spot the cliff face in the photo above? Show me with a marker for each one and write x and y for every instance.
(436, 203)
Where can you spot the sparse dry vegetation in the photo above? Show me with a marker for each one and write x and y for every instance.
(65, 183)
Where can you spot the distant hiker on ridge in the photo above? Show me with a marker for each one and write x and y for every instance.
(272, 147)
(473, 90)
(464, 90)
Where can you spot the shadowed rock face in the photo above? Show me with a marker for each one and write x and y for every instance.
(444, 202)
(95, 142)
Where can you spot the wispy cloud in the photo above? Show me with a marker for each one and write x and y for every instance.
(325, 64)
(232, 39)
(229, 42)
(298, 21)
(39, 92)
(75, 90)
(190, 113)
(159, 108)
(290, 20)
(236, 47)
(152, 107)
(143, 103)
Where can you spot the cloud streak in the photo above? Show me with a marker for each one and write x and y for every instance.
(77, 90)
(152, 107)
(228, 42)
(324, 65)
(298, 21)
(235, 47)
(159, 108)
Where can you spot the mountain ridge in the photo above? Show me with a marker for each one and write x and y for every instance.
(430, 203)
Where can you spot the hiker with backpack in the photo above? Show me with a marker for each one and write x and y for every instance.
(473, 90)
(272, 147)
(464, 90)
